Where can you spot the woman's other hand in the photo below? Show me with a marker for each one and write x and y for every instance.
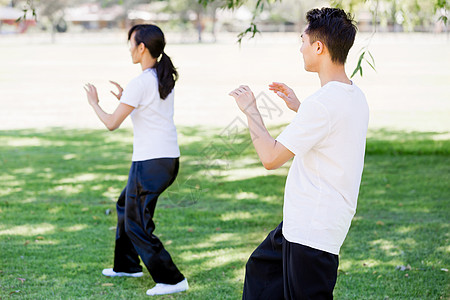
(118, 95)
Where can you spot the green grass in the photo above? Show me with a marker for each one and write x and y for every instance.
(55, 238)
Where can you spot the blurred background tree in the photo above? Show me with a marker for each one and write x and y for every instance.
(388, 15)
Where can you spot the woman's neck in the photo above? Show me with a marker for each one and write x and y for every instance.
(147, 62)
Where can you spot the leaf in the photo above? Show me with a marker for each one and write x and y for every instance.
(108, 284)
(358, 65)
(443, 19)
(21, 279)
(252, 28)
(373, 59)
(372, 65)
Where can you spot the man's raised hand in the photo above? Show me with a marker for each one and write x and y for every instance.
(285, 93)
(245, 99)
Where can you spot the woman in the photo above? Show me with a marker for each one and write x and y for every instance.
(149, 100)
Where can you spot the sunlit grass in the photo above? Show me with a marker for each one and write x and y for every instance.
(58, 186)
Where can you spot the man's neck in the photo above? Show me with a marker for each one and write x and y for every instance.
(329, 71)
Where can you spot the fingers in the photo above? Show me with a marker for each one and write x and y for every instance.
(240, 90)
(278, 85)
(116, 84)
(282, 96)
(90, 87)
(116, 95)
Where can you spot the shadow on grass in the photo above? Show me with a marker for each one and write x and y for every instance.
(56, 186)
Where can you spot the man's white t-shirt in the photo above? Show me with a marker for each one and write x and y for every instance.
(328, 138)
(155, 134)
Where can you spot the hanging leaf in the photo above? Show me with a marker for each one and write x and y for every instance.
(363, 57)
(358, 65)
(372, 63)
(252, 28)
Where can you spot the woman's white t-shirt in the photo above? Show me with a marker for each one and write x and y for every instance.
(328, 137)
(155, 134)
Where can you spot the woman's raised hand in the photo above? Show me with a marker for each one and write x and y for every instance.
(285, 93)
(118, 95)
(91, 93)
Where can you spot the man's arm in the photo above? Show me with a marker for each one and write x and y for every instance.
(271, 153)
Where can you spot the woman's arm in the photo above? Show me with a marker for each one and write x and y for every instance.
(111, 121)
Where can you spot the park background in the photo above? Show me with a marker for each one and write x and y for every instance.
(61, 171)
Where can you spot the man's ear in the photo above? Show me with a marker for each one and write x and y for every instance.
(319, 47)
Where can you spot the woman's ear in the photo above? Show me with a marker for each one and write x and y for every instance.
(141, 48)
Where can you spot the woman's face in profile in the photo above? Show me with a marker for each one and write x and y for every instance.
(134, 49)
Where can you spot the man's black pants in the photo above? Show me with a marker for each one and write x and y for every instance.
(135, 208)
(278, 269)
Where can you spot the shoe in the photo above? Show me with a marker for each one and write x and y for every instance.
(110, 272)
(163, 288)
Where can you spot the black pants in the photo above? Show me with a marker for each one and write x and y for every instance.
(278, 269)
(135, 226)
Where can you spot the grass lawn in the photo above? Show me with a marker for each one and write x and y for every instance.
(57, 187)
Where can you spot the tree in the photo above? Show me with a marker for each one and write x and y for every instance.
(233, 4)
(399, 9)
(53, 11)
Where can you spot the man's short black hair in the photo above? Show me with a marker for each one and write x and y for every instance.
(333, 27)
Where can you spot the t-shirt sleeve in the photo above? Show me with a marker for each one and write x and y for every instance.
(133, 93)
(310, 126)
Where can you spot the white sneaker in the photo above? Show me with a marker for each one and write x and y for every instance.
(163, 289)
(110, 272)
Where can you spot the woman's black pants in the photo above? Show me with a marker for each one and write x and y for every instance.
(135, 226)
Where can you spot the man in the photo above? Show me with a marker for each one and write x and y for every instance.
(299, 259)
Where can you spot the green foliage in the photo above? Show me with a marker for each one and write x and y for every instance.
(362, 57)
(260, 5)
(28, 6)
(443, 6)
(55, 237)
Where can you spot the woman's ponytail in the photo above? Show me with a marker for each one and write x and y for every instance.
(153, 39)
(167, 75)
